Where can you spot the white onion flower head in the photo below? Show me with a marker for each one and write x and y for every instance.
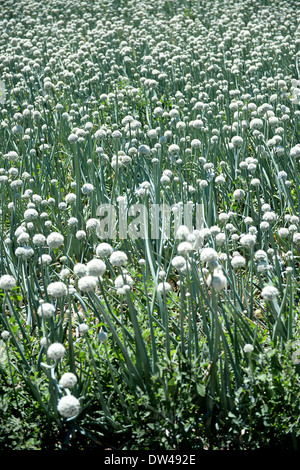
(208, 254)
(24, 252)
(70, 198)
(45, 259)
(164, 287)
(121, 291)
(31, 214)
(68, 406)
(296, 238)
(64, 273)
(239, 194)
(237, 141)
(87, 283)
(72, 222)
(269, 217)
(248, 240)
(179, 262)
(5, 335)
(102, 336)
(46, 310)
(118, 258)
(92, 224)
(182, 232)
(87, 188)
(7, 282)
(72, 138)
(264, 226)
(39, 239)
(83, 328)
(56, 351)
(80, 234)
(256, 123)
(43, 341)
(269, 293)
(220, 238)
(57, 289)
(216, 280)
(248, 348)
(80, 269)
(260, 256)
(122, 280)
(195, 143)
(68, 380)
(55, 240)
(214, 230)
(96, 267)
(238, 262)
(12, 156)
(184, 248)
(103, 250)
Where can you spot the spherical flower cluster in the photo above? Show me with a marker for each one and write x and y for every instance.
(12, 156)
(80, 234)
(57, 289)
(237, 141)
(70, 198)
(87, 283)
(173, 149)
(56, 351)
(83, 328)
(216, 280)
(256, 123)
(68, 380)
(102, 336)
(45, 259)
(103, 250)
(239, 194)
(248, 240)
(46, 310)
(7, 282)
(80, 269)
(30, 214)
(118, 258)
(39, 239)
(164, 287)
(24, 252)
(238, 262)
(179, 262)
(68, 406)
(182, 232)
(123, 280)
(296, 238)
(55, 240)
(96, 267)
(260, 256)
(87, 189)
(248, 348)
(208, 255)
(269, 293)
(92, 224)
(5, 335)
(72, 138)
(184, 248)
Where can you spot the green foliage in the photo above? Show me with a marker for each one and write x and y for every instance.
(266, 405)
(23, 424)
